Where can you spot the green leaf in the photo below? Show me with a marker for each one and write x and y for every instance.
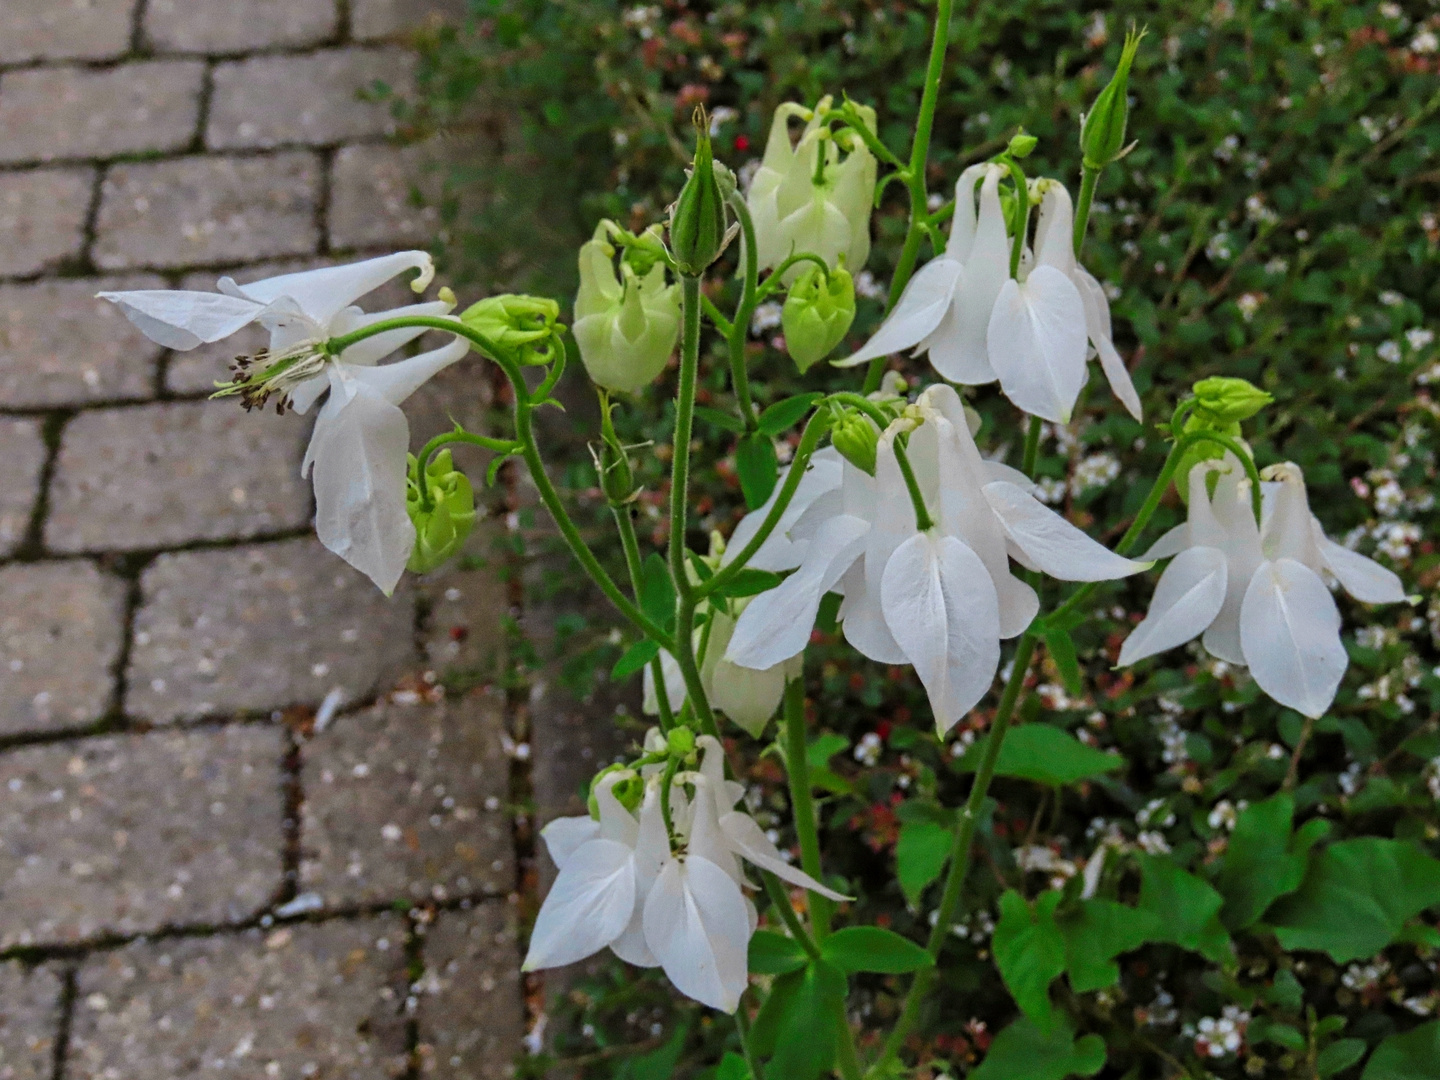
(634, 658)
(1263, 861)
(758, 467)
(1357, 897)
(1098, 931)
(1409, 1056)
(783, 415)
(920, 855)
(1188, 908)
(1062, 651)
(798, 1026)
(1045, 754)
(872, 948)
(823, 747)
(1024, 1051)
(1286, 1036)
(772, 953)
(1286, 991)
(657, 591)
(732, 1067)
(749, 582)
(1339, 1056)
(658, 1064)
(722, 420)
(1030, 952)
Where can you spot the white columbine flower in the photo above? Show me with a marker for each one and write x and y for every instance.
(361, 437)
(978, 324)
(1257, 593)
(941, 600)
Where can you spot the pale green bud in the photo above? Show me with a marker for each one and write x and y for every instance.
(1022, 145)
(444, 525)
(817, 314)
(525, 324)
(627, 792)
(626, 325)
(697, 220)
(1224, 400)
(680, 741)
(1102, 129)
(855, 437)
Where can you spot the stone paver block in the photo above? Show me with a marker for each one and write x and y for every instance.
(320, 1000)
(202, 210)
(64, 29)
(261, 627)
(59, 345)
(465, 632)
(130, 834)
(29, 1020)
(372, 197)
(371, 20)
(471, 1007)
(407, 801)
(155, 476)
(42, 218)
(22, 457)
(233, 26)
(60, 632)
(49, 114)
(311, 99)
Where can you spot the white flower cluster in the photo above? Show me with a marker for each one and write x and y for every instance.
(1216, 1036)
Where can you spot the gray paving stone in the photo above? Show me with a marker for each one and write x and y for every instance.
(60, 632)
(155, 476)
(22, 457)
(59, 345)
(64, 29)
(261, 627)
(204, 210)
(42, 217)
(372, 201)
(375, 19)
(406, 801)
(129, 834)
(232, 26)
(29, 1019)
(310, 99)
(471, 1006)
(311, 1000)
(49, 114)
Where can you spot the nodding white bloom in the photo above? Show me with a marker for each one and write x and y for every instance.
(1257, 592)
(361, 437)
(626, 326)
(978, 324)
(655, 901)
(805, 197)
(942, 599)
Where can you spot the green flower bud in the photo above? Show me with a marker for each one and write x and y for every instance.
(1223, 400)
(854, 435)
(526, 324)
(643, 250)
(1102, 129)
(627, 325)
(817, 314)
(443, 526)
(627, 792)
(1022, 144)
(697, 220)
(680, 741)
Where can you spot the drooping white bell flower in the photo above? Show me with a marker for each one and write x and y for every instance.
(361, 436)
(797, 207)
(1257, 593)
(943, 599)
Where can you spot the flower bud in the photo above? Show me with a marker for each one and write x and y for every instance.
(1102, 129)
(627, 325)
(1022, 144)
(697, 220)
(627, 792)
(525, 324)
(817, 314)
(444, 525)
(1223, 400)
(855, 438)
(680, 741)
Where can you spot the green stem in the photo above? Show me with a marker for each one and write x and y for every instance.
(1088, 178)
(749, 299)
(742, 1031)
(1022, 215)
(922, 515)
(780, 900)
(1032, 447)
(714, 314)
(499, 446)
(666, 783)
(775, 280)
(797, 767)
(626, 527)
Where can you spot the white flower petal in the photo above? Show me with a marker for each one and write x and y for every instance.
(324, 293)
(564, 835)
(1052, 543)
(183, 320)
(779, 552)
(1055, 230)
(586, 909)
(962, 225)
(958, 347)
(697, 927)
(749, 841)
(941, 606)
(1171, 543)
(863, 620)
(374, 349)
(396, 382)
(1187, 599)
(749, 698)
(1290, 635)
(675, 694)
(921, 307)
(1364, 579)
(1036, 341)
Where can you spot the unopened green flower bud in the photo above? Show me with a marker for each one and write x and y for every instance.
(817, 314)
(680, 741)
(1102, 129)
(1224, 400)
(525, 324)
(643, 250)
(445, 523)
(1022, 145)
(856, 439)
(612, 464)
(626, 325)
(697, 220)
(627, 792)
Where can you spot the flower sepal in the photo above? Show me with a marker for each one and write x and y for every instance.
(528, 326)
(817, 314)
(443, 513)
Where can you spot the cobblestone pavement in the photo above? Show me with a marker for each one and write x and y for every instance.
(198, 874)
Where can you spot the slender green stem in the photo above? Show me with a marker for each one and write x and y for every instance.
(626, 528)
(780, 900)
(1022, 215)
(1241, 454)
(499, 446)
(749, 299)
(923, 521)
(666, 783)
(742, 1031)
(802, 804)
(714, 314)
(775, 280)
(1088, 177)
(915, 178)
(1032, 447)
